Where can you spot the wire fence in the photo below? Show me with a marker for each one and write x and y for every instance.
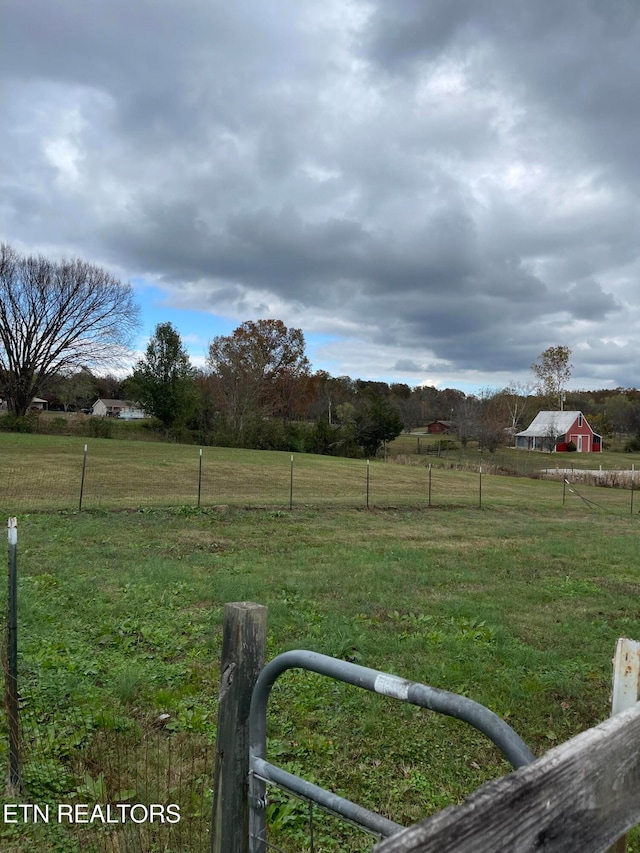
(105, 475)
(297, 824)
(87, 788)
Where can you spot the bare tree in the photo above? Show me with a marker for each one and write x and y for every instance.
(57, 316)
(516, 396)
(466, 418)
(551, 435)
(492, 417)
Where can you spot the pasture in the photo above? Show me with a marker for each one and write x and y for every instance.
(40, 472)
(521, 462)
(517, 605)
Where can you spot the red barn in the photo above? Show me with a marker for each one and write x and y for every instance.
(439, 426)
(554, 431)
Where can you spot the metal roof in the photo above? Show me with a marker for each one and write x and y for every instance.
(550, 423)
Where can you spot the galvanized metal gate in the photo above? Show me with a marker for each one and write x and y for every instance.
(262, 771)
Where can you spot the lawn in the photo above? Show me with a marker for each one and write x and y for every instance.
(517, 605)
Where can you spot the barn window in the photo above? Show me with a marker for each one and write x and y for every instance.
(580, 419)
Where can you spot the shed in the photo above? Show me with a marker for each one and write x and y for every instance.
(439, 427)
(554, 430)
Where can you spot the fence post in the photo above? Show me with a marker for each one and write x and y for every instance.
(11, 685)
(200, 478)
(633, 471)
(84, 468)
(244, 644)
(480, 488)
(291, 485)
(429, 484)
(368, 478)
(624, 693)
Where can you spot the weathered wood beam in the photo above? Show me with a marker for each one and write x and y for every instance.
(577, 798)
(244, 644)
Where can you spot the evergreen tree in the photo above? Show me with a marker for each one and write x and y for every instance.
(164, 379)
(377, 421)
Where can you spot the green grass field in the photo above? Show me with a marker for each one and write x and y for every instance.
(517, 605)
(521, 462)
(41, 473)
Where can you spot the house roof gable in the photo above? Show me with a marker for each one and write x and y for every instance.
(546, 423)
(119, 404)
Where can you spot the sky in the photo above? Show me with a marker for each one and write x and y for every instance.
(434, 192)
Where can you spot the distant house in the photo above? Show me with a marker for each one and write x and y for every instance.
(439, 427)
(554, 430)
(124, 409)
(37, 404)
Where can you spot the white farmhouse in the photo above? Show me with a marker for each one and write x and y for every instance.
(123, 409)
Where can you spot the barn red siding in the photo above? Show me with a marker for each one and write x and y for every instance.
(584, 431)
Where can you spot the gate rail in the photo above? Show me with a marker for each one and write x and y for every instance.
(261, 771)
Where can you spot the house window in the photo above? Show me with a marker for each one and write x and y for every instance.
(580, 419)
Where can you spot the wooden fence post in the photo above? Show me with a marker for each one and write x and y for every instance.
(624, 692)
(244, 644)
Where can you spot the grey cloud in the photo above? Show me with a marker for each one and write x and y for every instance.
(589, 302)
(409, 30)
(456, 179)
(406, 365)
(570, 64)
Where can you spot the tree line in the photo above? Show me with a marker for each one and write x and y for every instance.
(258, 390)
(65, 326)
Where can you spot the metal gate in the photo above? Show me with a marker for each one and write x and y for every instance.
(262, 771)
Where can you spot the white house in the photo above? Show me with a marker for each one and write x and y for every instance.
(124, 409)
(37, 404)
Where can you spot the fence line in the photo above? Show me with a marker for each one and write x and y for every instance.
(169, 475)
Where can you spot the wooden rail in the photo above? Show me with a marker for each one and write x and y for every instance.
(581, 797)
(578, 798)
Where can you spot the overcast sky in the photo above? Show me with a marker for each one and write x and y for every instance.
(433, 190)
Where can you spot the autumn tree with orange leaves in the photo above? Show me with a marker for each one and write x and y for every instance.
(258, 371)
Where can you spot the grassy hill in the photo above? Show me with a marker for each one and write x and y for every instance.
(517, 605)
(41, 472)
